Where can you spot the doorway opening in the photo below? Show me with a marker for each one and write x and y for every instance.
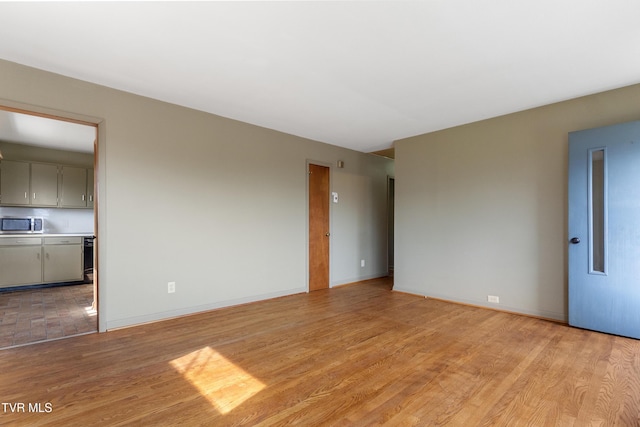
(48, 287)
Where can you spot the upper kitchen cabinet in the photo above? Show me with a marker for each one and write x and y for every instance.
(91, 185)
(44, 185)
(14, 183)
(76, 187)
(28, 184)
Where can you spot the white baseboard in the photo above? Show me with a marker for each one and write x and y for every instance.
(166, 315)
(544, 314)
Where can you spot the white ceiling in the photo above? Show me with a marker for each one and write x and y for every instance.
(356, 74)
(44, 132)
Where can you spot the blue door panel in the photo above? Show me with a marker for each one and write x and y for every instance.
(609, 301)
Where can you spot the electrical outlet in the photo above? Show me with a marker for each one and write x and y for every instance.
(361, 263)
(493, 298)
(171, 288)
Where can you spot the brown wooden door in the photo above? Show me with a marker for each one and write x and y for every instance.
(318, 227)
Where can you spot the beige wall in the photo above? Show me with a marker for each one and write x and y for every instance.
(481, 209)
(216, 205)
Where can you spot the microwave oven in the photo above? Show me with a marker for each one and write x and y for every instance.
(21, 225)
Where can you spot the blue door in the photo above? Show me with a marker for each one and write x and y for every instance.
(604, 229)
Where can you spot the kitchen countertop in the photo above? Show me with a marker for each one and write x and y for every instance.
(87, 234)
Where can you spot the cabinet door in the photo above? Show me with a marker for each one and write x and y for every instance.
(14, 183)
(62, 263)
(90, 188)
(73, 187)
(20, 265)
(44, 184)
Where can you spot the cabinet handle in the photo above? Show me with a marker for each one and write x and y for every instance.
(83, 197)
(25, 195)
(38, 255)
(34, 196)
(90, 198)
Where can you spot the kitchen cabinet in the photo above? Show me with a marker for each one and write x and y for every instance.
(28, 184)
(74, 187)
(63, 260)
(44, 184)
(14, 182)
(20, 261)
(90, 188)
(27, 260)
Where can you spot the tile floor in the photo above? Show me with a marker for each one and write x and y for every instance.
(29, 316)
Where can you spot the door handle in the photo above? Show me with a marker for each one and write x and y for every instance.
(575, 240)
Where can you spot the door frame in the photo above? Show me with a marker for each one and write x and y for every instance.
(306, 212)
(99, 185)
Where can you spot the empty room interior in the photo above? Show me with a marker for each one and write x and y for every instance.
(320, 213)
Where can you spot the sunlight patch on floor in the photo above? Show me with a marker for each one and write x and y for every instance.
(223, 383)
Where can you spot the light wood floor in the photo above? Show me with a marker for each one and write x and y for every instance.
(353, 356)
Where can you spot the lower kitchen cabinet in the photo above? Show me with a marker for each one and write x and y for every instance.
(20, 261)
(36, 260)
(62, 259)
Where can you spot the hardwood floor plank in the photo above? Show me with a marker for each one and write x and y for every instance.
(350, 356)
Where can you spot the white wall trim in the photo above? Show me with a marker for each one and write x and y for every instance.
(552, 315)
(171, 314)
